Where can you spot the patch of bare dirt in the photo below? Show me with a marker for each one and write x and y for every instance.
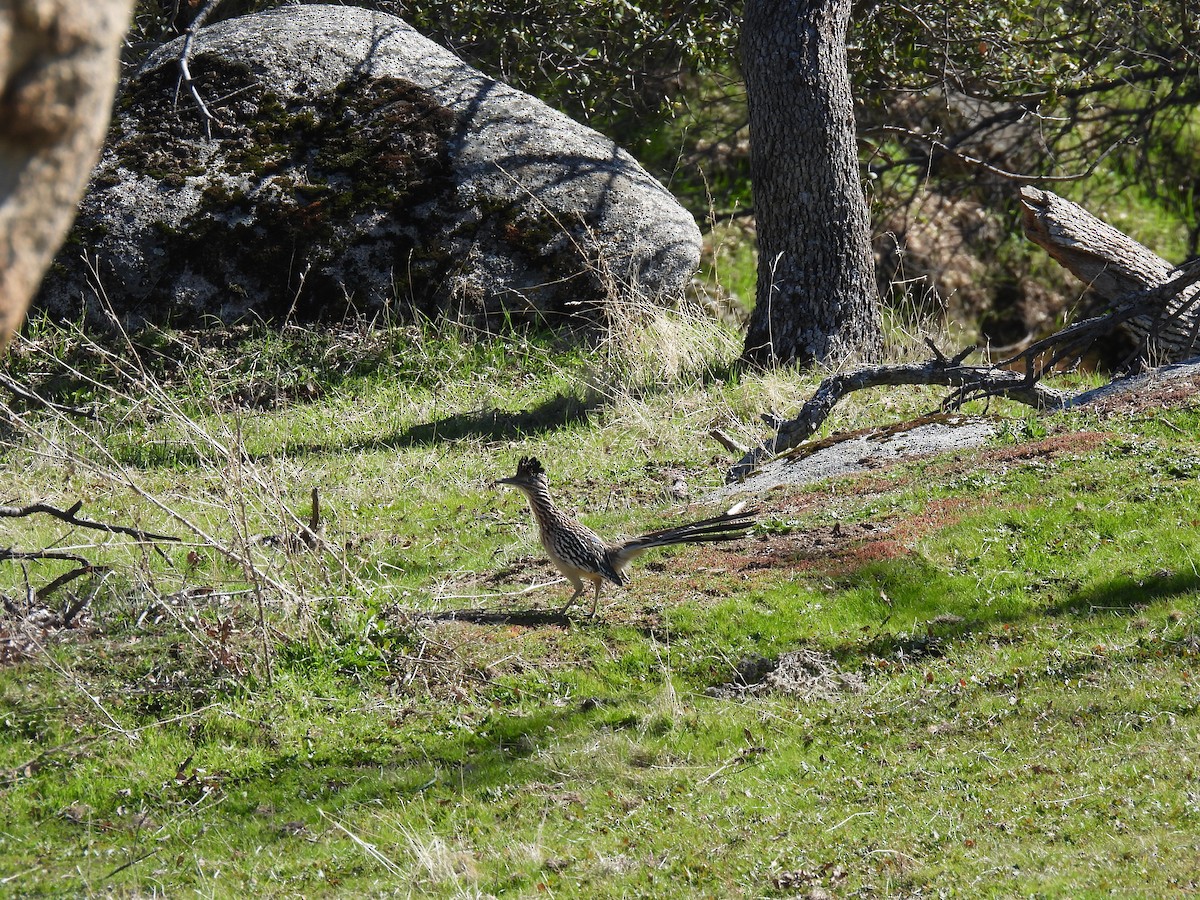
(807, 674)
(1150, 396)
(1067, 443)
(823, 548)
(840, 548)
(845, 547)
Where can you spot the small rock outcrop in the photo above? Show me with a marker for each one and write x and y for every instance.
(357, 166)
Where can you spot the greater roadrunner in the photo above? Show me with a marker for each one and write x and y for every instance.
(581, 555)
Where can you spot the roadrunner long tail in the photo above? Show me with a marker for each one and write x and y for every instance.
(583, 556)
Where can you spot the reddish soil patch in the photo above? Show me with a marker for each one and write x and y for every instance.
(843, 548)
(798, 501)
(985, 459)
(1067, 443)
(840, 548)
(1167, 393)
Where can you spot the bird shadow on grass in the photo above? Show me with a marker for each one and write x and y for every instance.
(483, 616)
(1126, 594)
(497, 424)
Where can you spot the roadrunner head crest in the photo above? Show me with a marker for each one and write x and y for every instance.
(529, 467)
(530, 475)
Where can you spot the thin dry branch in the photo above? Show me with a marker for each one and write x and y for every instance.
(29, 396)
(10, 554)
(71, 517)
(984, 165)
(62, 580)
(185, 56)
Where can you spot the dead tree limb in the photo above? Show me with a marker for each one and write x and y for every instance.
(1166, 306)
(71, 517)
(1168, 303)
(940, 370)
(1116, 268)
(72, 609)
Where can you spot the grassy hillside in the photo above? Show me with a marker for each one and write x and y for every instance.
(972, 675)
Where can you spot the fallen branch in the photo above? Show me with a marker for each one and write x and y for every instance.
(36, 600)
(1158, 306)
(729, 443)
(1169, 304)
(940, 370)
(71, 517)
(29, 396)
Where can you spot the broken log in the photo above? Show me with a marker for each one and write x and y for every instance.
(967, 380)
(1114, 266)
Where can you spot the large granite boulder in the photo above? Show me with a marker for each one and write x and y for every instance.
(356, 165)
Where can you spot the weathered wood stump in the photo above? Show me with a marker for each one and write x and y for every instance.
(1114, 265)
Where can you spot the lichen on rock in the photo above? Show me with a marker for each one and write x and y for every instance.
(356, 166)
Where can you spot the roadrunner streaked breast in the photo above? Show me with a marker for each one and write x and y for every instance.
(582, 556)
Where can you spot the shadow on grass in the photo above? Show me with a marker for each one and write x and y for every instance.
(480, 616)
(927, 609)
(559, 411)
(1127, 593)
(497, 425)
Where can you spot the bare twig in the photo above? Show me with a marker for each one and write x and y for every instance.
(71, 517)
(995, 170)
(71, 611)
(29, 396)
(8, 553)
(65, 579)
(370, 849)
(729, 443)
(133, 862)
(31, 767)
(185, 73)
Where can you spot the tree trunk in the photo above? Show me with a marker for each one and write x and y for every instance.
(58, 72)
(817, 300)
(1113, 266)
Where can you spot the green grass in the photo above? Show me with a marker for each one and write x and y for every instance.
(246, 717)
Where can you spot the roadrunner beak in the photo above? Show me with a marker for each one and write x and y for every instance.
(529, 474)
